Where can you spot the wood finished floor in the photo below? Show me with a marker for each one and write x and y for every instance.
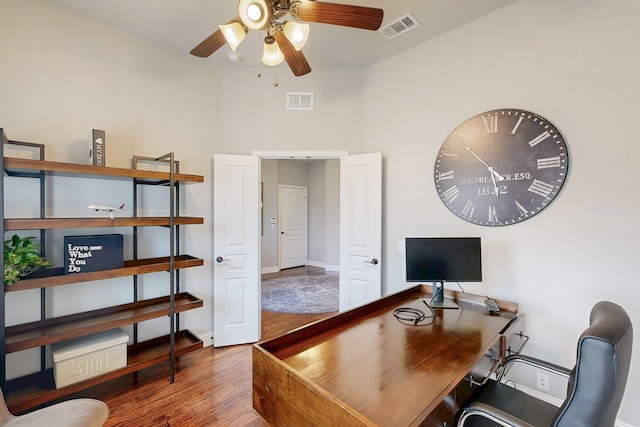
(213, 387)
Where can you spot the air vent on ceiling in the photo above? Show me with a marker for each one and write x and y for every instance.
(399, 26)
(299, 100)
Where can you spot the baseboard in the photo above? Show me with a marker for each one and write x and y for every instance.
(318, 264)
(326, 267)
(267, 270)
(540, 395)
(555, 401)
(207, 339)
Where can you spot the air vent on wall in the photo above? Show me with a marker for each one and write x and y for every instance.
(399, 26)
(299, 100)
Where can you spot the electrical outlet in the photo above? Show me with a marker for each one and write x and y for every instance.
(542, 381)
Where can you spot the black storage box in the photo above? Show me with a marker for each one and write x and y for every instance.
(92, 253)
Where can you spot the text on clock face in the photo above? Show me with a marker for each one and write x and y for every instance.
(519, 176)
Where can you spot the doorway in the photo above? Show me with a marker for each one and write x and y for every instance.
(236, 288)
(301, 215)
(320, 243)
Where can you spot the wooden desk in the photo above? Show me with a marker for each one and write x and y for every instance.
(365, 368)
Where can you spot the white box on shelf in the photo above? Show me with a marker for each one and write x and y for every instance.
(81, 358)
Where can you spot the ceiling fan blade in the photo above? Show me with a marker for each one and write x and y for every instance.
(209, 45)
(295, 58)
(366, 18)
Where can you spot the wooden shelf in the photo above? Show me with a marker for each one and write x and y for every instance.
(49, 277)
(17, 166)
(39, 388)
(49, 331)
(56, 223)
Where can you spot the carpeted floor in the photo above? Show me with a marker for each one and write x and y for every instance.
(301, 294)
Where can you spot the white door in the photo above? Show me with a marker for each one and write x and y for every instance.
(236, 249)
(292, 210)
(360, 229)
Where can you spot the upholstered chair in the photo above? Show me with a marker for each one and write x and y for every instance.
(70, 413)
(595, 387)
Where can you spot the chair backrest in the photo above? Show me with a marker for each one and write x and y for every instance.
(597, 382)
(5, 415)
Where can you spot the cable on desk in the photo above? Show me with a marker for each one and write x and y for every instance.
(412, 316)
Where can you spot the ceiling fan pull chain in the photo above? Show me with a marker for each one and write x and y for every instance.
(275, 83)
(260, 39)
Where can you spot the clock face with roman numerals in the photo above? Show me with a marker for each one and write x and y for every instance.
(501, 167)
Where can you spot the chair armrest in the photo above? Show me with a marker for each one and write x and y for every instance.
(494, 414)
(535, 362)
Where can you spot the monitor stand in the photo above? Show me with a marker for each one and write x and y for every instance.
(438, 300)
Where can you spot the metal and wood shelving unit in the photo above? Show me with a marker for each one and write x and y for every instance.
(38, 388)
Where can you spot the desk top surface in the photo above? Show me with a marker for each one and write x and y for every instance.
(390, 372)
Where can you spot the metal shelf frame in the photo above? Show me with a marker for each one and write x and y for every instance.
(139, 176)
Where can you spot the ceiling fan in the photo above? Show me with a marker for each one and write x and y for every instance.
(285, 39)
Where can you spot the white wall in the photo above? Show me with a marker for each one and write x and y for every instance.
(269, 240)
(574, 62)
(332, 215)
(293, 172)
(316, 208)
(321, 179)
(253, 114)
(324, 214)
(61, 75)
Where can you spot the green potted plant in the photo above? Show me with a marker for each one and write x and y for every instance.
(21, 258)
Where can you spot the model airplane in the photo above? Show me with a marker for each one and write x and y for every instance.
(110, 209)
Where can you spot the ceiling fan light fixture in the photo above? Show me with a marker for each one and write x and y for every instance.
(270, 16)
(297, 33)
(234, 33)
(271, 54)
(255, 14)
(234, 57)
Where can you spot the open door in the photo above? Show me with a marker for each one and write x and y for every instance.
(360, 229)
(236, 249)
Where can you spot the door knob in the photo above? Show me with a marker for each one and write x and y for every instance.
(220, 259)
(373, 261)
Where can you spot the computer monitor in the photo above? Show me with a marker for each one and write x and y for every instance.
(443, 259)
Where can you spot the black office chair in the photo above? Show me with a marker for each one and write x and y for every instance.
(595, 389)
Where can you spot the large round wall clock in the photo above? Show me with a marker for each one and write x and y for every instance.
(501, 167)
